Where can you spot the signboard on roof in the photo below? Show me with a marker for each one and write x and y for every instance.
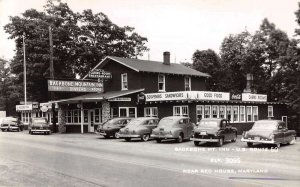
(99, 74)
(23, 107)
(74, 86)
(254, 97)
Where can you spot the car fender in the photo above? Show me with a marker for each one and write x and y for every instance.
(176, 132)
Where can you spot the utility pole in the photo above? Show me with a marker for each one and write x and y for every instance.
(25, 93)
(52, 78)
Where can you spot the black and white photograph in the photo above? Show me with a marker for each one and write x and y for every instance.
(149, 93)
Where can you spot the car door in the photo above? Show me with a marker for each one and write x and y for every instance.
(280, 133)
(183, 126)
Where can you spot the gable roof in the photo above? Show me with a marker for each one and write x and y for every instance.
(152, 66)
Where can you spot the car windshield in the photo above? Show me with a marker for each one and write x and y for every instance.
(39, 120)
(166, 122)
(135, 122)
(9, 120)
(265, 125)
(209, 124)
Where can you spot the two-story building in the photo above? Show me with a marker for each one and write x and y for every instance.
(149, 88)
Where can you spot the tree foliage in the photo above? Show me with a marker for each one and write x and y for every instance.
(80, 41)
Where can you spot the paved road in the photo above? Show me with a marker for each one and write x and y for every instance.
(90, 160)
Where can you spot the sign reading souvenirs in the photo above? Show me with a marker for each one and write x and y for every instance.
(254, 97)
(74, 86)
(99, 73)
(23, 107)
(128, 99)
(188, 95)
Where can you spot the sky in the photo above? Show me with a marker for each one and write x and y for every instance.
(178, 26)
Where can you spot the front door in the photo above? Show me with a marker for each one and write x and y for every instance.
(91, 121)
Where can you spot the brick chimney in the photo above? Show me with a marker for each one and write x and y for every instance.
(166, 58)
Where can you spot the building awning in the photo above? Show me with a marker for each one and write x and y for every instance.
(95, 97)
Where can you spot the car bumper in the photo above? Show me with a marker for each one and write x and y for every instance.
(259, 141)
(129, 135)
(204, 140)
(40, 130)
(102, 133)
(167, 136)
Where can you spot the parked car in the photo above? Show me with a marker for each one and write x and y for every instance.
(112, 127)
(139, 128)
(39, 125)
(214, 130)
(10, 124)
(269, 132)
(173, 127)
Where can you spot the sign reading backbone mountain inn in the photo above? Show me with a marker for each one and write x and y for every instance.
(74, 86)
(99, 73)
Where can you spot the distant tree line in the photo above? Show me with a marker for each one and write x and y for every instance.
(269, 54)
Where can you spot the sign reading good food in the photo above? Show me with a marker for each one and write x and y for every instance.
(254, 97)
(99, 73)
(128, 99)
(216, 96)
(23, 107)
(74, 86)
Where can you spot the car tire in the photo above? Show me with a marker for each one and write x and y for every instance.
(116, 135)
(196, 143)
(127, 139)
(250, 144)
(180, 138)
(292, 141)
(235, 137)
(158, 140)
(145, 137)
(220, 142)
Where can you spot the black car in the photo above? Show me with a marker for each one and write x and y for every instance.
(112, 127)
(216, 130)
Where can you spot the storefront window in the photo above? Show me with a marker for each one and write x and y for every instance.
(207, 111)
(98, 112)
(255, 113)
(235, 110)
(228, 113)
(242, 113)
(249, 113)
(85, 116)
(199, 112)
(222, 111)
(151, 112)
(270, 111)
(180, 111)
(187, 83)
(161, 82)
(215, 111)
(76, 119)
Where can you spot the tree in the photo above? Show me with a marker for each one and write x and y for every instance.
(80, 41)
(208, 61)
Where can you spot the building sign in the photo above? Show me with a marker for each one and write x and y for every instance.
(23, 107)
(99, 73)
(74, 86)
(127, 99)
(47, 106)
(254, 97)
(235, 96)
(214, 96)
(188, 95)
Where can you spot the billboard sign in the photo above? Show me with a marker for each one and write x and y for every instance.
(99, 74)
(74, 86)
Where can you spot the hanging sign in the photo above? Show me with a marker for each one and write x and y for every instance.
(99, 73)
(128, 99)
(74, 86)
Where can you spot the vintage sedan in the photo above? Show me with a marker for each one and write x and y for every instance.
(216, 130)
(112, 127)
(10, 124)
(139, 128)
(269, 132)
(39, 125)
(173, 127)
